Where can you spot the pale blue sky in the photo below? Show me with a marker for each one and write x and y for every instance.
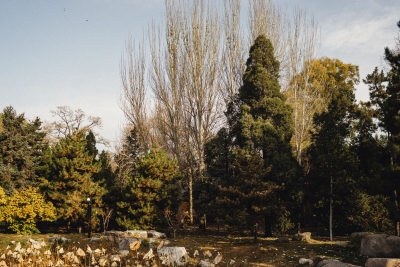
(67, 52)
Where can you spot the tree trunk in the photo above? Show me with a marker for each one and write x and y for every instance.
(331, 211)
(255, 231)
(396, 203)
(191, 198)
(267, 226)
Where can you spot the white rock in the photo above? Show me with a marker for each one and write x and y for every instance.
(124, 253)
(173, 255)
(126, 242)
(207, 253)
(218, 258)
(115, 258)
(304, 261)
(204, 263)
(148, 255)
(155, 234)
(137, 233)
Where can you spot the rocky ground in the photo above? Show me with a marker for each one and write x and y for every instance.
(133, 248)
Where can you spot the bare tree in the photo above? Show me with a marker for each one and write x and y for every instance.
(265, 18)
(201, 46)
(68, 121)
(106, 216)
(301, 50)
(184, 69)
(234, 52)
(133, 100)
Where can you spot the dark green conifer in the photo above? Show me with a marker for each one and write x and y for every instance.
(261, 132)
(21, 150)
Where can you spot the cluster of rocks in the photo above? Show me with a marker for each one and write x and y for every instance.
(170, 255)
(382, 251)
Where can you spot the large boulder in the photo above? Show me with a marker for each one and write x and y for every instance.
(306, 236)
(137, 234)
(173, 256)
(382, 262)
(155, 234)
(125, 243)
(356, 237)
(360, 235)
(380, 246)
(114, 236)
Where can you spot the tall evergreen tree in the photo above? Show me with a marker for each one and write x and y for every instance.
(385, 98)
(70, 180)
(21, 150)
(332, 162)
(91, 145)
(262, 126)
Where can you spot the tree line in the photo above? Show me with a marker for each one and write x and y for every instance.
(276, 141)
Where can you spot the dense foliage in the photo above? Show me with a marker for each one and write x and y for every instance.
(343, 177)
(152, 188)
(70, 180)
(21, 148)
(23, 209)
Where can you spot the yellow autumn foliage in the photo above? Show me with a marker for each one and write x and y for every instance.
(22, 210)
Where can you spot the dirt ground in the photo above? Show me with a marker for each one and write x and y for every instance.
(242, 250)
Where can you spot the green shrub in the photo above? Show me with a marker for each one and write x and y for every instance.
(22, 210)
(371, 213)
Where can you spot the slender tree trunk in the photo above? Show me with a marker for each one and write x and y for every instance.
(191, 198)
(267, 226)
(331, 210)
(255, 231)
(396, 203)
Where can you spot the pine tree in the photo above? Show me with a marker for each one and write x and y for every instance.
(151, 189)
(70, 180)
(332, 162)
(385, 98)
(91, 145)
(21, 149)
(262, 126)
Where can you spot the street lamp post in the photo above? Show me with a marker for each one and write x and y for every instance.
(89, 216)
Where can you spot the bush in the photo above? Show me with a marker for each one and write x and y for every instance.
(371, 213)
(22, 210)
(151, 189)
